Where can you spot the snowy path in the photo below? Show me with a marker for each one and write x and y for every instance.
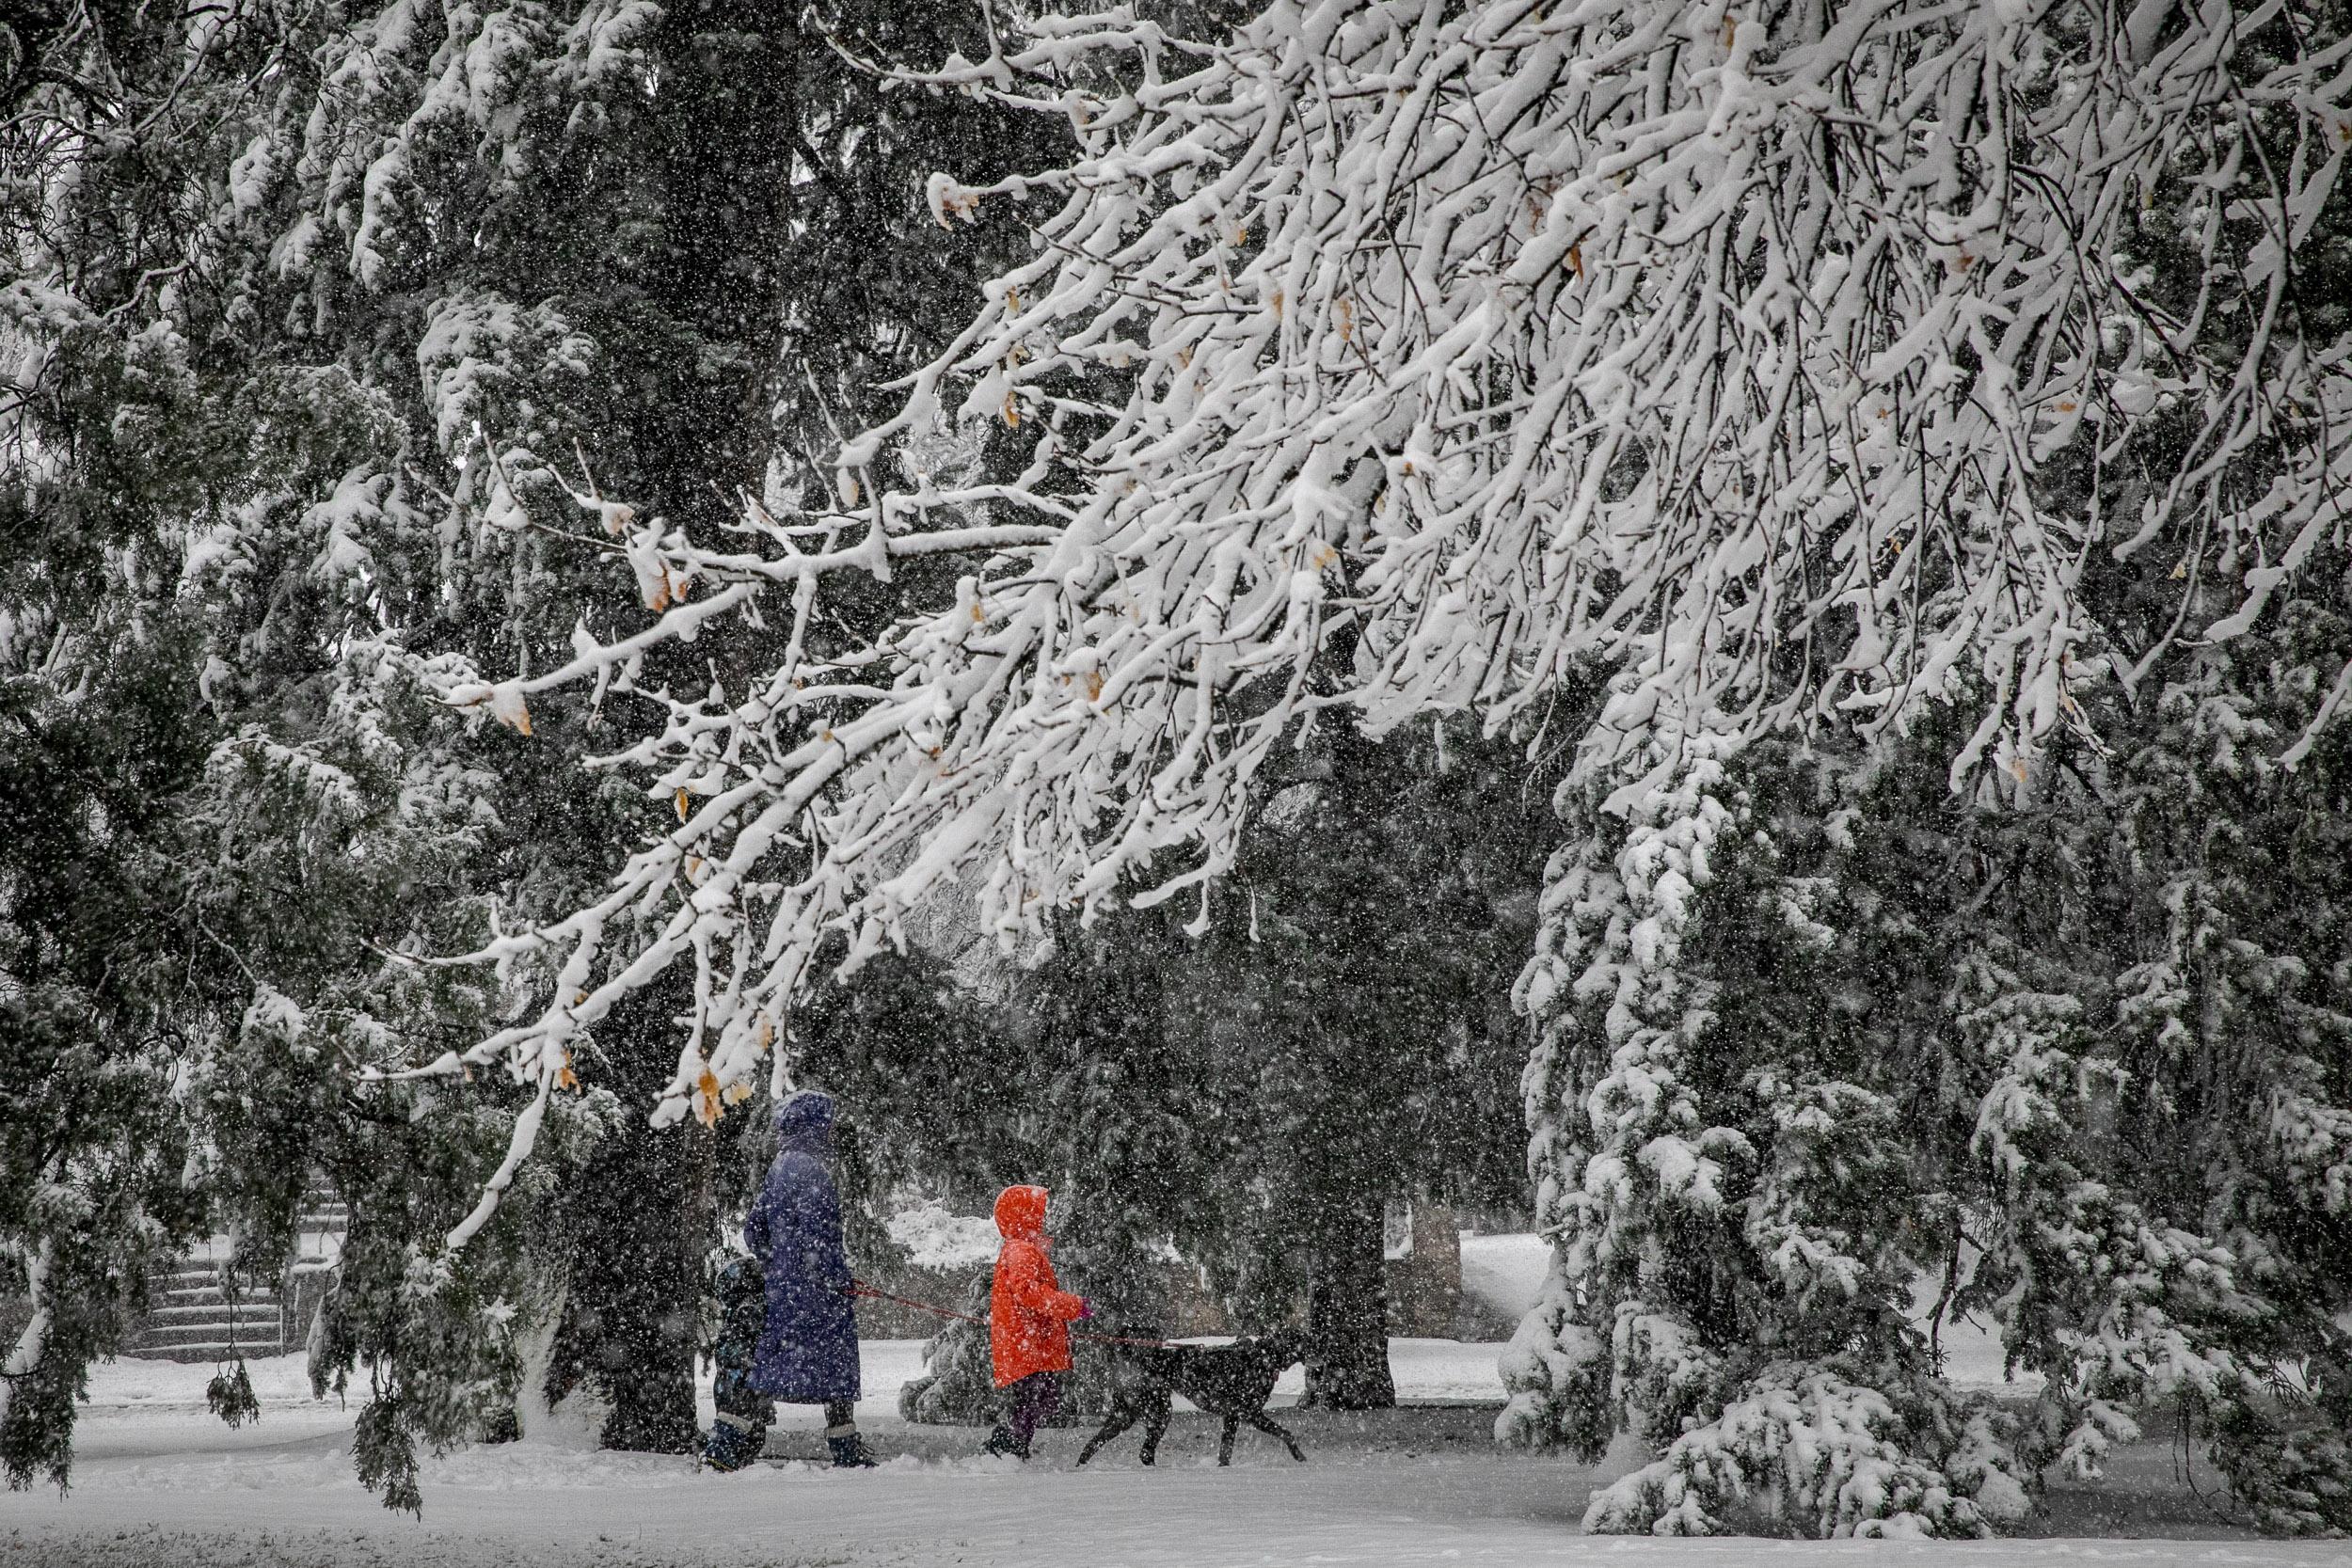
(160, 1483)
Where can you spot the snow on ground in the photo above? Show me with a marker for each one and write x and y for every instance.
(165, 1391)
(130, 1384)
(159, 1480)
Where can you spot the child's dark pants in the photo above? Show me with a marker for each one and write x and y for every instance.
(1028, 1405)
(1035, 1398)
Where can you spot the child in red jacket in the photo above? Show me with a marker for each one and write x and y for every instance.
(1028, 1321)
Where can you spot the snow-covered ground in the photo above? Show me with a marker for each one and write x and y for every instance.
(159, 1480)
(143, 1396)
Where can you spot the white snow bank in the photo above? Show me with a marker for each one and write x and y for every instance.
(1441, 1372)
(934, 1238)
(1426, 1372)
(1506, 1273)
(1973, 1357)
(1972, 1349)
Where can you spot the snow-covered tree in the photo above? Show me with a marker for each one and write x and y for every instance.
(1860, 395)
(210, 699)
(2228, 1043)
(1728, 350)
(1728, 1156)
(309, 315)
(1806, 368)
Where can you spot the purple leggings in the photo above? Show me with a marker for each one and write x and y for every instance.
(1033, 1402)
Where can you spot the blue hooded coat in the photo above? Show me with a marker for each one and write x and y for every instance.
(807, 1352)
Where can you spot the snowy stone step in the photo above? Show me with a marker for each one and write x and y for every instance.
(221, 1351)
(257, 1319)
(190, 1344)
(215, 1311)
(209, 1289)
(266, 1323)
(203, 1295)
(181, 1285)
(321, 1209)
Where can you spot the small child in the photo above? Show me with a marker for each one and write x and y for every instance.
(741, 1428)
(1028, 1321)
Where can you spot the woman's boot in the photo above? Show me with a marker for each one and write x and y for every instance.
(849, 1449)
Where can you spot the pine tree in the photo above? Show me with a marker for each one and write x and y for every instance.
(310, 348)
(1726, 1162)
(184, 932)
(2231, 1018)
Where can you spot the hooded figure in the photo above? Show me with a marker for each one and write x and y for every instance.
(1028, 1321)
(807, 1350)
(1029, 1312)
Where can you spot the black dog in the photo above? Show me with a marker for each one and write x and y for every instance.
(1234, 1381)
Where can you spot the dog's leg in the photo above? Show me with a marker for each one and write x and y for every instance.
(1264, 1423)
(1122, 1415)
(1225, 1443)
(1154, 1424)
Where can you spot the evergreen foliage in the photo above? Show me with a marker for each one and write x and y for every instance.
(475, 625)
(309, 316)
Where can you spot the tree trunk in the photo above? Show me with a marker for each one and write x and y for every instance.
(702, 339)
(631, 1312)
(724, 127)
(1347, 1309)
(638, 1225)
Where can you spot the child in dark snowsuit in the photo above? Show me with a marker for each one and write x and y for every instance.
(744, 1413)
(1028, 1321)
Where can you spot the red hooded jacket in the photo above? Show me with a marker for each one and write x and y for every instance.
(1028, 1311)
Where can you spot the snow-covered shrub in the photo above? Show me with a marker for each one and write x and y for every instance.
(1726, 1168)
(1802, 1450)
(957, 1386)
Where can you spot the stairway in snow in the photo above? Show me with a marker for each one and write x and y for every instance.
(191, 1316)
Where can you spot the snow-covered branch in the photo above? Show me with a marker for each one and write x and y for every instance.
(1794, 366)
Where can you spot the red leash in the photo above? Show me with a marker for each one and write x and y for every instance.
(1115, 1340)
(859, 1287)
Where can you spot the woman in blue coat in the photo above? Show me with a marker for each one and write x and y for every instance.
(807, 1348)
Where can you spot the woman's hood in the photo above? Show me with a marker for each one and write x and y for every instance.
(804, 1121)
